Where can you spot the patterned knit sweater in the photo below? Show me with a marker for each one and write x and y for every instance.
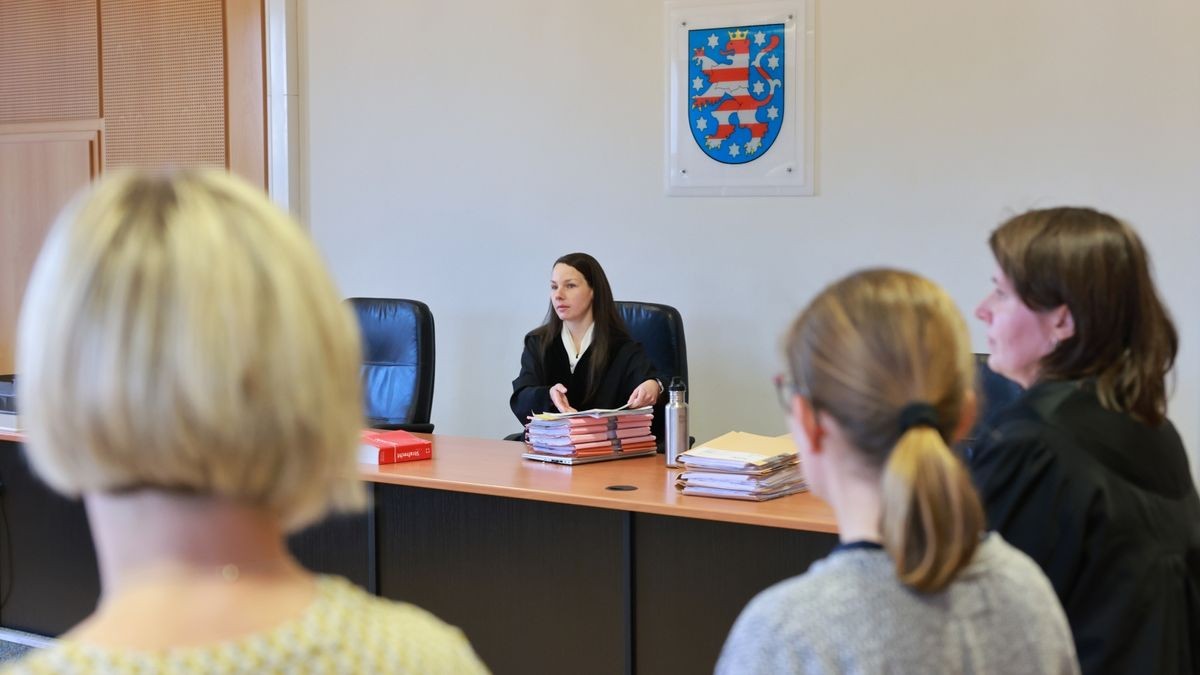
(344, 630)
(850, 614)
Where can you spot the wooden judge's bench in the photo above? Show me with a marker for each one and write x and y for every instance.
(599, 568)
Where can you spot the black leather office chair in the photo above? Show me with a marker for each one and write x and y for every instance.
(398, 362)
(659, 328)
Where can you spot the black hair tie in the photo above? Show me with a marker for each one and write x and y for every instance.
(918, 414)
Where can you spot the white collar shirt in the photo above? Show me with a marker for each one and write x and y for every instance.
(569, 345)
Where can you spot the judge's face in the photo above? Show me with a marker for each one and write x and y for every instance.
(570, 294)
(1018, 337)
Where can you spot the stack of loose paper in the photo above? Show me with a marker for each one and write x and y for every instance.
(739, 465)
(590, 432)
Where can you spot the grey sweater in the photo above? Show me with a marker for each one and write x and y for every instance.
(850, 614)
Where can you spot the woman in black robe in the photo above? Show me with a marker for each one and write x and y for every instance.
(1084, 472)
(582, 357)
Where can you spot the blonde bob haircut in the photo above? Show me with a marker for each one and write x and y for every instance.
(181, 333)
(868, 346)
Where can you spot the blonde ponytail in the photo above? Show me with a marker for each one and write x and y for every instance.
(932, 519)
(886, 354)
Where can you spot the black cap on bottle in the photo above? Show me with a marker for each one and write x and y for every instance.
(676, 384)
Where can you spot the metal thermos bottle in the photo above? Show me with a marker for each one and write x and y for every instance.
(676, 422)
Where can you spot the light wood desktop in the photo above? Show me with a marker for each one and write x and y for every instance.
(492, 467)
(489, 467)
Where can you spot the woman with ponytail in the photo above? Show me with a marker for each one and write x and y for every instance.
(1084, 472)
(880, 382)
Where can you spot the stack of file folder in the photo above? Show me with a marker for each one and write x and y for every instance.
(590, 432)
(739, 465)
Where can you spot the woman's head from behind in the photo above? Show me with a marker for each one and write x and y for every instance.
(180, 333)
(1079, 282)
(881, 359)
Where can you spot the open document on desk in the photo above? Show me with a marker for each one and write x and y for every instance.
(745, 466)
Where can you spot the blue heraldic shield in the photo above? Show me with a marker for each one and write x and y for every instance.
(735, 90)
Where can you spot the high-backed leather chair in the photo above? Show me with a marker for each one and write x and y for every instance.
(659, 328)
(398, 362)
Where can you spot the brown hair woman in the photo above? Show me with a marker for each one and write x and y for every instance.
(1084, 472)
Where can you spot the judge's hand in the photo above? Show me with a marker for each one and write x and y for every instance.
(645, 394)
(558, 396)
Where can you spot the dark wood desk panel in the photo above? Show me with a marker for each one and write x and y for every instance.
(693, 577)
(48, 571)
(537, 587)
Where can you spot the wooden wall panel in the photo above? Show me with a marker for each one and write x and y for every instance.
(141, 83)
(39, 172)
(163, 78)
(49, 60)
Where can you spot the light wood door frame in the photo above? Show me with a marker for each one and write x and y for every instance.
(246, 90)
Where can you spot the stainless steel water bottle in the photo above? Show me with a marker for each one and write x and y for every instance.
(676, 422)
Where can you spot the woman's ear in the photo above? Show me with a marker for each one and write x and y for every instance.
(1063, 327)
(806, 420)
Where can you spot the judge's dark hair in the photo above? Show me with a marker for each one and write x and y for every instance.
(1095, 264)
(868, 351)
(608, 327)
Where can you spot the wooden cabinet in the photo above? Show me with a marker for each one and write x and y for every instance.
(87, 86)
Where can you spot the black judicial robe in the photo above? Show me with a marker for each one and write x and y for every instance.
(628, 366)
(1106, 506)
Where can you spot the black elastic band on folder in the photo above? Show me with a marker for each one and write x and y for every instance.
(857, 545)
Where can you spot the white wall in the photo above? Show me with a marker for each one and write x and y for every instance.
(454, 149)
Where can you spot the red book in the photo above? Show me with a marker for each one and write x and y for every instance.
(389, 447)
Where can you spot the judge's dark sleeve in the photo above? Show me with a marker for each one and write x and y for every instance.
(632, 367)
(531, 392)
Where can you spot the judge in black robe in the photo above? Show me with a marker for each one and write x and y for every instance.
(541, 369)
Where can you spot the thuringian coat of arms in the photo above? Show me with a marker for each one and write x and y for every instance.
(735, 85)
